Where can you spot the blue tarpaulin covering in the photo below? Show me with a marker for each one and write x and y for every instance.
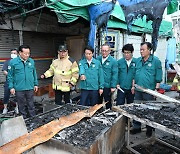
(99, 15)
(122, 12)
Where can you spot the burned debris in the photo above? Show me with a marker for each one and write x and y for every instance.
(167, 114)
(84, 133)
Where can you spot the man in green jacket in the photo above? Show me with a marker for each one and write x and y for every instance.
(22, 80)
(91, 78)
(148, 75)
(110, 70)
(126, 73)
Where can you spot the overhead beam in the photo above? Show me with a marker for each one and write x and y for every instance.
(35, 9)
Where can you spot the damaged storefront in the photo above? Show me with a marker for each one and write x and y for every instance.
(45, 24)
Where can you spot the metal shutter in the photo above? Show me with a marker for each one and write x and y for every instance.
(42, 45)
(8, 40)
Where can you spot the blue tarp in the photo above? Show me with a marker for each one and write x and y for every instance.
(99, 15)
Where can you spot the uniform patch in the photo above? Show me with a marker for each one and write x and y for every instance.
(149, 64)
(9, 67)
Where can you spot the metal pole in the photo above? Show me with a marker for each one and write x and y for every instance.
(18, 15)
(128, 132)
(20, 37)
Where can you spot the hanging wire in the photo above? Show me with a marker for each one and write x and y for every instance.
(45, 4)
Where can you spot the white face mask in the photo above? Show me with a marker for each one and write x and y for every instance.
(13, 56)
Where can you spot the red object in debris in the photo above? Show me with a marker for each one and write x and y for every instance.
(161, 91)
(174, 88)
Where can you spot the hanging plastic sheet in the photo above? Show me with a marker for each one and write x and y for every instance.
(99, 15)
(171, 52)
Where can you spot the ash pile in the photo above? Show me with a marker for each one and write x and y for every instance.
(82, 134)
(166, 114)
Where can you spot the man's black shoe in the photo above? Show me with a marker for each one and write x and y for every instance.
(135, 131)
(149, 131)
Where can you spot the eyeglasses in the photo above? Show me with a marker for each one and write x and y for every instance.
(104, 50)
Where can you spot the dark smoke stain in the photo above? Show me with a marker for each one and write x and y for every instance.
(153, 9)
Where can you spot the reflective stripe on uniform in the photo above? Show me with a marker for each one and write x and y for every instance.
(73, 79)
(60, 88)
(52, 67)
(76, 69)
(48, 74)
(62, 72)
(175, 80)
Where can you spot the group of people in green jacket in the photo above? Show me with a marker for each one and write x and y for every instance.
(100, 77)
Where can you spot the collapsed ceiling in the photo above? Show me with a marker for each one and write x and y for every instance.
(21, 6)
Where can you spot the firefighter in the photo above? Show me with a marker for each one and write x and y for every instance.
(65, 73)
(176, 84)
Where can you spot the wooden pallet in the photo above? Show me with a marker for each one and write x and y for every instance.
(44, 90)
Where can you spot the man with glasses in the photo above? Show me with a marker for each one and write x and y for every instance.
(22, 80)
(126, 73)
(65, 73)
(110, 70)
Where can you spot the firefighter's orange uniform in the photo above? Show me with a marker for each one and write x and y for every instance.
(65, 72)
